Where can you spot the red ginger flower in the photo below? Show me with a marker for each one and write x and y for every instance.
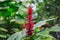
(30, 24)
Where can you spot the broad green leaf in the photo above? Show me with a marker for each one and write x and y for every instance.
(2, 29)
(3, 36)
(19, 20)
(19, 36)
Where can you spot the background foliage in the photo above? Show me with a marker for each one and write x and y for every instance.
(13, 14)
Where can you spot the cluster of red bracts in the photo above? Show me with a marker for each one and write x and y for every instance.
(30, 24)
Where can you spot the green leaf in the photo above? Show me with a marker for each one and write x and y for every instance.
(2, 29)
(22, 34)
(3, 36)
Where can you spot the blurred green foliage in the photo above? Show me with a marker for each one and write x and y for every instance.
(13, 13)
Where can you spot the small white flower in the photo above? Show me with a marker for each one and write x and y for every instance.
(33, 7)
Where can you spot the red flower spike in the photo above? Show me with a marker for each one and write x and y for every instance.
(30, 24)
(29, 10)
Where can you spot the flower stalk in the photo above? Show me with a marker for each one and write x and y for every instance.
(30, 24)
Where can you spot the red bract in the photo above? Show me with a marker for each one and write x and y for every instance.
(29, 10)
(30, 24)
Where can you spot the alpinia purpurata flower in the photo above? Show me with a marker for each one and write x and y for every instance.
(30, 24)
